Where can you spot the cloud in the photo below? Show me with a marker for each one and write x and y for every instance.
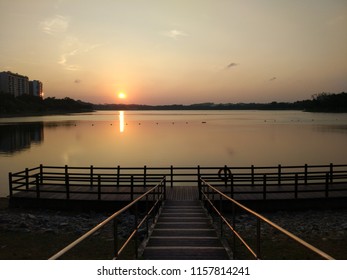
(64, 60)
(72, 47)
(272, 79)
(232, 64)
(54, 25)
(175, 34)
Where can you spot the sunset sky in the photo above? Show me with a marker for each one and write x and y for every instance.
(177, 51)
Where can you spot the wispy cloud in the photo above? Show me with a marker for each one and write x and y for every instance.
(54, 25)
(175, 34)
(72, 47)
(272, 79)
(230, 65)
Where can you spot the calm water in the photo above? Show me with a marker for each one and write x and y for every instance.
(179, 138)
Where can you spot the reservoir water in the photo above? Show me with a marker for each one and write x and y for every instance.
(178, 138)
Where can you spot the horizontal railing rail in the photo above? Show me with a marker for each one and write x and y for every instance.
(211, 195)
(158, 191)
(324, 179)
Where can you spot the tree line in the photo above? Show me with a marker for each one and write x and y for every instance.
(26, 104)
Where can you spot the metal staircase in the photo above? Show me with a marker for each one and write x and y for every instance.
(183, 231)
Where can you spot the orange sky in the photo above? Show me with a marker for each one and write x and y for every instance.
(182, 51)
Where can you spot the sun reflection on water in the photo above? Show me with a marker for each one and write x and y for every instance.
(121, 121)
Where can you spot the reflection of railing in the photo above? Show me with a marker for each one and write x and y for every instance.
(211, 196)
(158, 192)
(293, 181)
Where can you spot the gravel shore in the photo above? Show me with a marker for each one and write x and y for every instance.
(327, 225)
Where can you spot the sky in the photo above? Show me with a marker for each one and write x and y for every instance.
(177, 51)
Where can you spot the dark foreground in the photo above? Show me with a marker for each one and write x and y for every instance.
(28, 234)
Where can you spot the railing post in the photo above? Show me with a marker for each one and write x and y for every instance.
(37, 186)
(41, 174)
(252, 174)
(115, 237)
(131, 188)
(279, 174)
(136, 233)
(296, 186)
(67, 182)
(232, 185)
(264, 187)
(331, 173)
(306, 171)
(99, 187)
(220, 211)
(165, 188)
(327, 185)
(118, 173)
(145, 176)
(91, 175)
(234, 227)
(26, 178)
(258, 238)
(199, 183)
(10, 184)
(171, 175)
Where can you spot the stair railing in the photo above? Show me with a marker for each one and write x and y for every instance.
(159, 195)
(208, 196)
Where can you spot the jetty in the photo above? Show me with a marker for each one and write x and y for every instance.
(177, 207)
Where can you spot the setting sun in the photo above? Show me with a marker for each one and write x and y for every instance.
(121, 95)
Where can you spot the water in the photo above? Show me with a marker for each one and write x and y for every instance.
(179, 138)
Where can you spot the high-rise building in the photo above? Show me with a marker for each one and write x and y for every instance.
(35, 88)
(14, 84)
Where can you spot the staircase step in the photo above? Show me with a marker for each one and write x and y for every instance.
(183, 241)
(185, 253)
(178, 225)
(184, 232)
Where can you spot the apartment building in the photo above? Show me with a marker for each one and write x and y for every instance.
(36, 88)
(17, 85)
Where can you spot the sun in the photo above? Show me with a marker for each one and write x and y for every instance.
(122, 95)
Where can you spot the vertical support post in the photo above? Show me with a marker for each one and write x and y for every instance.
(306, 171)
(171, 175)
(99, 187)
(131, 188)
(279, 175)
(91, 175)
(145, 176)
(234, 227)
(232, 185)
(220, 211)
(327, 185)
(67, 182)
(165, 188)
(37, 186)
(10, 184)
(41, 174)
(331, 173)
(136, 233)
(147, 225)
(296, 186)
(258, 238)
(26, 178)
(118, 173)
(115, 237)
(252, 174)
(199, 182)
(264, 187)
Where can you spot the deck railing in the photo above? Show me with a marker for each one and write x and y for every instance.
(211, 196)
(152, 210)
(323, 180)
